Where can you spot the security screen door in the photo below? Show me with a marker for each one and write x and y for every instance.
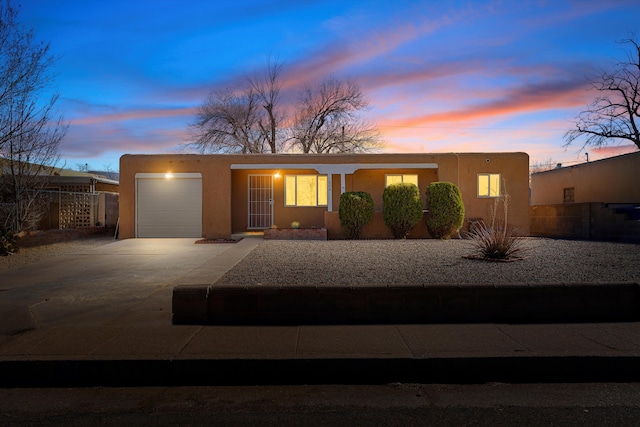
(260, 201)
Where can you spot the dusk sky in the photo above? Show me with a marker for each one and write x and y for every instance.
(441, 76)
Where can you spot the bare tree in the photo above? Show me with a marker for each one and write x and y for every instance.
(268, 87)
(614, 113)
(541, 166)
(241, 119)
(328, 121)
(228, 122)
(31, 163)
(30, 135)
(250, 118)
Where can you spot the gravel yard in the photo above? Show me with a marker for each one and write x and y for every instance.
(419, 262)
(400, 262)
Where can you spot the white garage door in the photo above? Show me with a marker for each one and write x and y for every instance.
(169, 206)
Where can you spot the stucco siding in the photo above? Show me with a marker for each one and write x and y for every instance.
(609, 180)
(225, 188)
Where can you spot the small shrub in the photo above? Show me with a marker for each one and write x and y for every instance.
(295, 224)
(401, 208)
(355, 211)
(497, 241)
(8, 242)
(446, 209)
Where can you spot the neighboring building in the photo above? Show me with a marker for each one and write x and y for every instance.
(215, 196)
(597, 200)
(81, 199)
(73, 199)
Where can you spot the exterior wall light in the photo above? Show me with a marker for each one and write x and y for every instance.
(168, 175)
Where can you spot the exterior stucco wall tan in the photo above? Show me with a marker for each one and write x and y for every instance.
(514, 171)
(283, 215)
(224, 198)
(216, 185)
(605, 181)
(373, 181)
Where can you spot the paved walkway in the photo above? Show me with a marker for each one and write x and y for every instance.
(103, 317)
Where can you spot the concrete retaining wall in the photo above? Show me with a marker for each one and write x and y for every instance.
(411, 304)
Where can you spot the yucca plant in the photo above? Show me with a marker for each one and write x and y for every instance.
(497, 241)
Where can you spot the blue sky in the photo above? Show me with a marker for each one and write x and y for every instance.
(441, 76)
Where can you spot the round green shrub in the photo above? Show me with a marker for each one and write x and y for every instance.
(401, 208)
(446, 210)
(356, 210)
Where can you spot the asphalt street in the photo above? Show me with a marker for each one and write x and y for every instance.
(495, 404)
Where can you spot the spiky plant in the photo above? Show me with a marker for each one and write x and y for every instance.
(497, 241)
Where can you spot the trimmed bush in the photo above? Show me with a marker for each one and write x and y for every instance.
(356, 210)
(446, 210)
(401, 208)
(8, 242)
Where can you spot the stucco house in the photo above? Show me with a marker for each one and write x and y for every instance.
(597, 200)
(215, 196)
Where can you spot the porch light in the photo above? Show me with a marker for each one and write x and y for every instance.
(277, 174)
(168, 175)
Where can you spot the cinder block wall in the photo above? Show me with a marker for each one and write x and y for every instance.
(589, 221)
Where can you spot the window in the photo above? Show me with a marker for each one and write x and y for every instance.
(399, 179)
(305, 190)
(569, 195)
(488, 185)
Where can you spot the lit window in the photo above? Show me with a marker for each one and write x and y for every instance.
(488, 185)
(305, 190)
(399, 179)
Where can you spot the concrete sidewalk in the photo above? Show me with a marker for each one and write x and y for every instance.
(103, 317)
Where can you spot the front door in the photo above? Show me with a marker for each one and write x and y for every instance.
(260, 201)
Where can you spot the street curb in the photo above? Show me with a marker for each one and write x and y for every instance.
(459, 370)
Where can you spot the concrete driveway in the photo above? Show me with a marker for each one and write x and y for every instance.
(103, 317)
(127, 280)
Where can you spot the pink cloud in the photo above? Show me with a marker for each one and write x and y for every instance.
(149, 113)
(340, 55)
(527, 99)
(610, 151)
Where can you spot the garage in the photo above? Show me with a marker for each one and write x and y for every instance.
(168, 205)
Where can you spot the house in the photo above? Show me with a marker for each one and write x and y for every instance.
(71, 199)
(80, 199)
(597, 200)
(215, 196)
